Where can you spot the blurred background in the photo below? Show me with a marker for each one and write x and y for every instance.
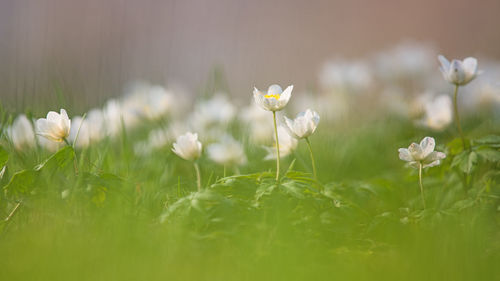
(88, 50)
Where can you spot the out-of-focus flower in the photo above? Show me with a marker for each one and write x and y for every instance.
(275, 99)
(96, 125)
(256, 119)
(304, 124)
(55, 127)
(21, 133)
(287, 144)
(438, 113)
(146, 101)
(408, 60)
(346, 76)
(79, 133)
(212, 116)
(227, 152)
(422, 154)
(188, 147)
(113, 116)
(458, 72)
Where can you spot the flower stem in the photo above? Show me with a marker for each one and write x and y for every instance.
(457, 118)
(75, 164)
(13, 212)
(198, 177)
(277, 148)
(312, 158)
(421, 185)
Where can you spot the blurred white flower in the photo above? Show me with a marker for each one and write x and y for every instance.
(112, 114)
(256, 119)
(287, 144)
(157, 139)
(422, 154)
(212, 116)
(438, 113)
(147, 101)
(96, 125)
(275, 99)
(458, 72)
(79, 133)
(21, 133)
(304, 124)
(55, 127)
(350, 76)
(227, 151)
(416, 106)
(408, 60)
(188, 147)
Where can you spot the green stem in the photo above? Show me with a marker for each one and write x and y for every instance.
(75, 164)
(13, 212)
(420, 182)
(277, 148)
(457, 117)
(312, 158)
(198, 177)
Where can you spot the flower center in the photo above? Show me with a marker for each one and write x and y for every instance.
(272, 96)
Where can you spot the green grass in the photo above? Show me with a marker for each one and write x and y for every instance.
(140, 218)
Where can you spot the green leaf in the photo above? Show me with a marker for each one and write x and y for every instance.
(466, 161)
(4, 156)
(455, 146)
(489, 154)
(492, 139)
(471, 163)
(21, 183)
(58, 160)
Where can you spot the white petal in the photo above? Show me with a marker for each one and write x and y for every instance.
(404, 155)
(415, 151)
(444, 62)
(287, 93)
(53, 116)
(274, 90)
(427, 145)
(435, 163)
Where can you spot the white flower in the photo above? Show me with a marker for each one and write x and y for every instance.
(49, 145)
(55, 127)
(211, 117)
(144, 100)
(96, 125)
(256, 119)
(21, 133)
(287, 144)
(350, 76)
(438, 113)
(112, 114)
(458, 72)
(79, 129)
(304, 124)
(275, 99)
(227, 152)
(408, 60)
(187, 146)
(422, 153)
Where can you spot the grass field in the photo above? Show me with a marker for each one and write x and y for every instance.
(118, 209)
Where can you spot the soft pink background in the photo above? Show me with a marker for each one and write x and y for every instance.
(89, 48)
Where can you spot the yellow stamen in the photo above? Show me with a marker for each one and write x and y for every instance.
(272, 96)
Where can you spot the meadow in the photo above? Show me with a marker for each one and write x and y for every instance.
(121, 192)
